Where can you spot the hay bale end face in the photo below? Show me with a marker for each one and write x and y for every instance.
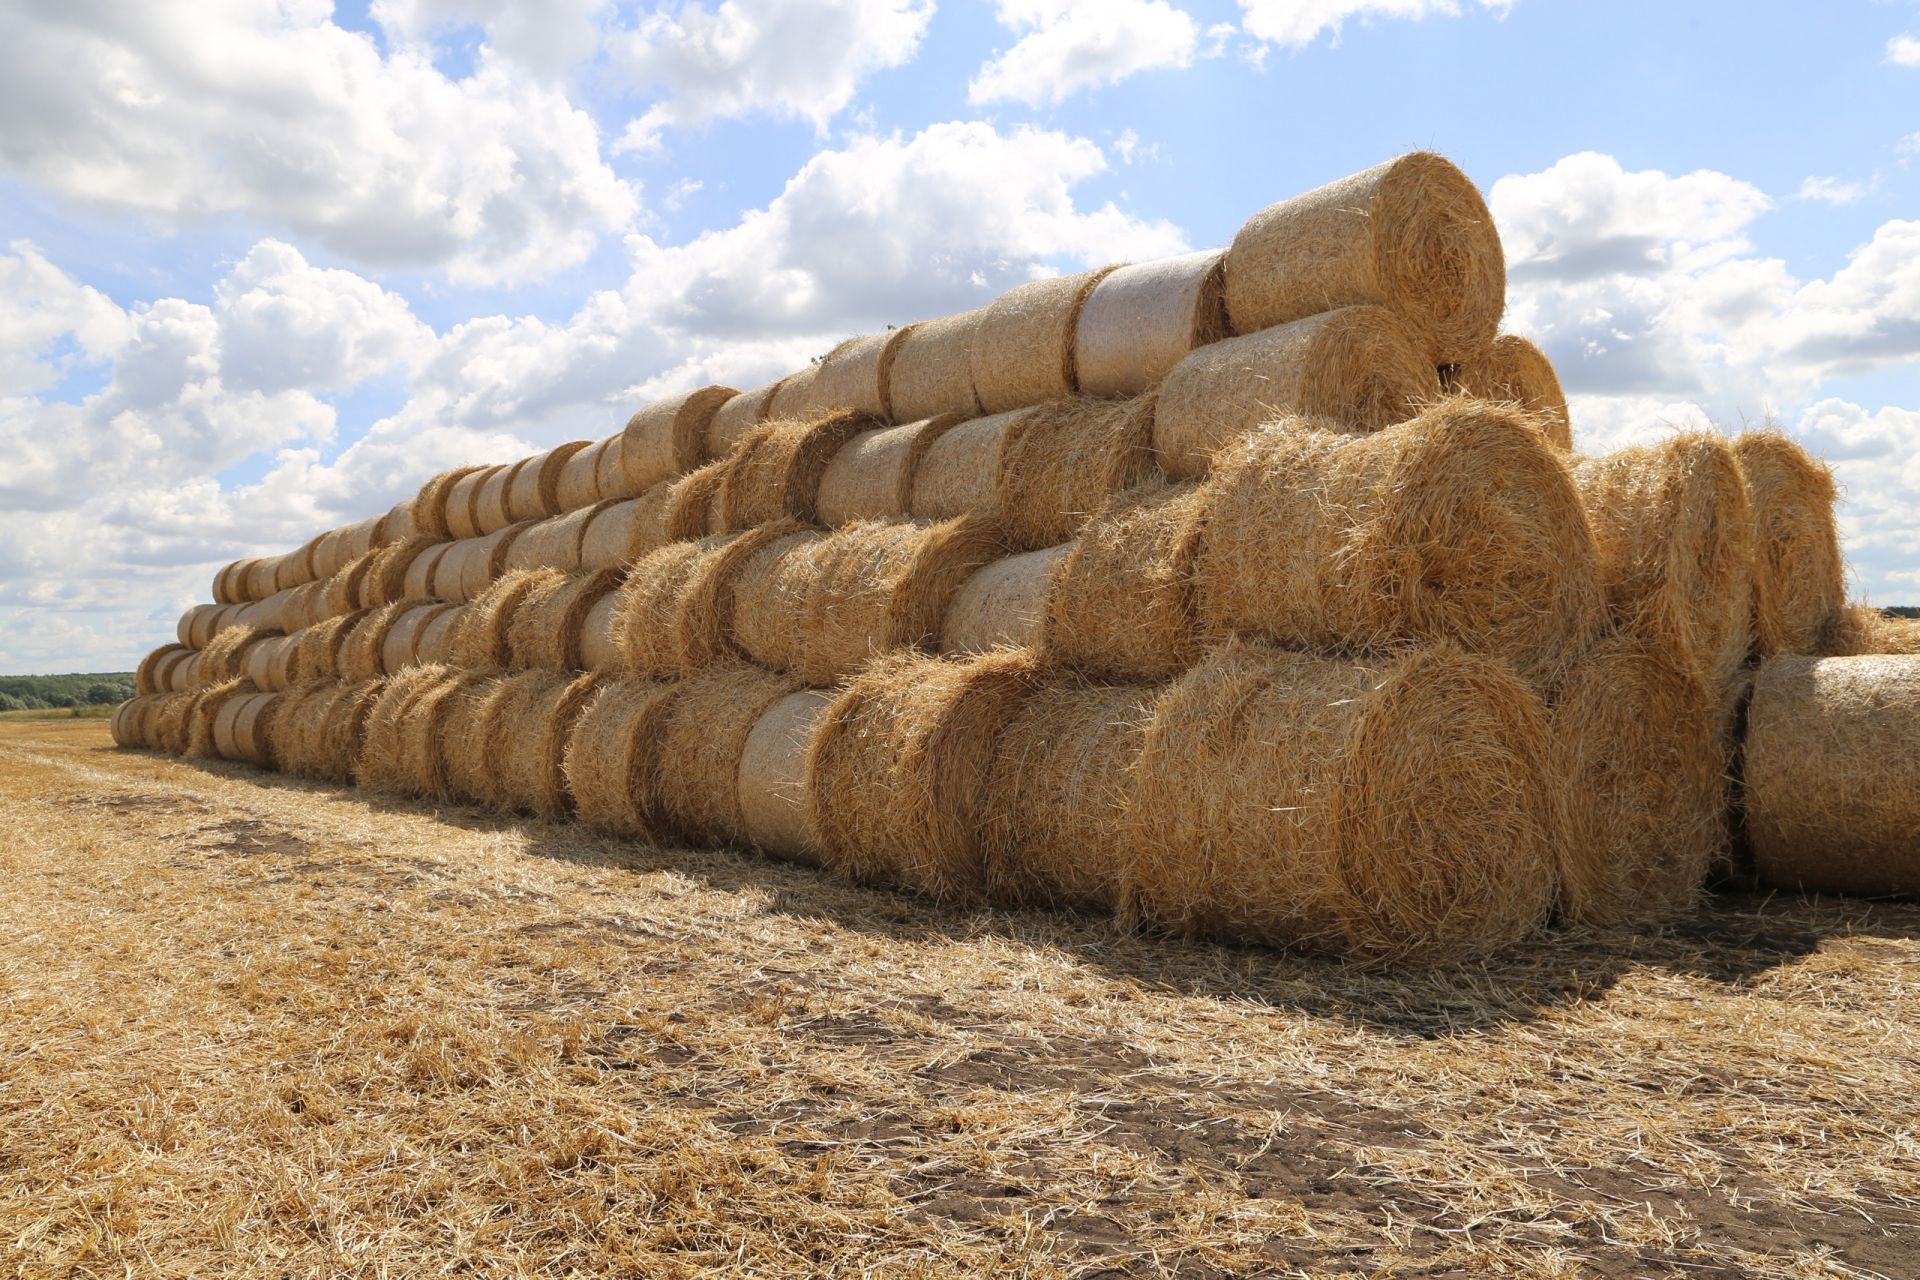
(484, 641)
(527, 735)
(676, 610)
(1832, 774)
(1022, 351)
(1142, 320)
(1003, 604)
(1514, 371)
(1068, 458)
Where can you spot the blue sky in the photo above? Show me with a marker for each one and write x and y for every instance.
(266, 264)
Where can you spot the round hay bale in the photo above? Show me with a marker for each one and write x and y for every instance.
(401, 525)
(1675, 544)
(774, 809)
(553, 543)
(346, 589)
(205, 710)
(670, 438)
(464, 751)
(676, 610)
(421, 571)
(1399, 810)
(290, 570)
(1059, 797)
(434, 504)
(184, 676)
(171, 722)
(490, 510)
(171, 675)
(1412, 235)
(364, 536)
(600, 635)
(224, 743)
(193, 629)
(1832, 775)
(260, 576)
(305, 605)
(613, 756)
(527, 738)
(260, 660)
(1359, 367)
(400, 648)
(229, 582)
(821, 604)
(1022, 351)
(957, 473)
(1002, 605)
(1634, 745)
(735, 417)
(463, 501)
(580, 475)
(283, 673)
(391, 570)
(1865, 630)
(486, 562)
(856, 377)
(402, 754)
(933, 368)
(318, 732)
(127, 724)
(330, 553)
(623, 532)
(776, 470)
(146, 679)
(1064, 463)
(460, 563)
(1123, 604)
(704, 734)
(262, 615)
(484, 639)
(225, 657)
(897, 777)
(791, 396)
(534, 493)
(1800, 587)
(435, 646)
(548, 627)
(871, 477)
(1515, 371)
(1142, 320)
(253, 728)
(1462, 524)
(322, 643)
(361, 655)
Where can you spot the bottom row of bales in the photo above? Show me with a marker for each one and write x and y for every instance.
(1421, 806)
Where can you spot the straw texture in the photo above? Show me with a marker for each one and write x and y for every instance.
(856, 376)
(528, 727)
(1799, 578)
(956, 474)
(1022, 350)
(1065, 461)
(613, 757)
(707, 725)
(776, 470)
(1142, 320)
(676, 610)
(1515, 371)
(871, 476)
(1123, 604)
(933, 368)
(1003, 604)
(774, 810)
(666, 439)
(735, 417)
(549, 623)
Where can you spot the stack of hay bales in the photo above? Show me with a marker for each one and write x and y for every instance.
(1250, 594)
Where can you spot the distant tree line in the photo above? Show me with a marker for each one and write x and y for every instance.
(41, 693)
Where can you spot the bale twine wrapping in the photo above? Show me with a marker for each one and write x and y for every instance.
(897, 777)
(205, 710)
(1066, 460)
(553, 543)
(146, 679)
(669, 438)
(774, 810)
(580, 475)
(933, 367)
(600, 635)
(613, 758)
(484, 639)
(871, 477)
(432, 503)
(396, 756)
(527, 734)
(1675, 543)
(1360, 368)
(1060, 796)
(676, 610)
(548, 626)
(1023, 351)
(776, 470)
(1412, 235)
(956, 474)
(1002, 605)
(435, 646)
(1799, 576)
(821, 604)
(534, 493)
(463, 502)
(1462, 524)
(362, 655)
(321, 645)
(1515, 371)
(707, 723)
(1394, 810)
(735, 417)
(422, 572)
(1123, 604)
(490, 509)
(1832, 778)
(1634, 746)
(1142, 320)
(856, 376)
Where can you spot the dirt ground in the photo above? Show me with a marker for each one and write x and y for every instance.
(255, 1026)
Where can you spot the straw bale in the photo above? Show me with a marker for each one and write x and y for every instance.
(776, 470)
(463, 501)
(1002, 605)
(401, 646)
(305, 605)
(321, 646)
(1675, 542)
(229, 582)
(856, 376)
(1394, 810)
(262, 615)
(548, 627)
(146, 679)
(552, 543)
(1515, 371)
(361, 656)
(486, 561)
(1059, 796)
(390, 570)
(1799, 577)
(933, 367)
(184, 676)
(260, 578)
(346, 589)
(423, 570)
(1412, 235)
(1865, 630)
(1142, 320)
(191, 630)
(897, 777)
(527, 733)
(736, 416)
(957, 473)
(174, 672)
(128, 722)
(791, 396)
(1124, 604)
(628, 530)
(401, 525)
(490, 512)
(600, 635)
(668, 439)
(534, 493)
(1359, 368)
(317, 732)
(1832, 775)
(821, 604)
(613, 758)
(253, 728)
(774, 809)
(1022, 351)
(871, 477)
(484, 638)
(260, 659)
(433, 505)
(171, 722)
(435, 646)
(580, 475)
(395, 756)
(363, 536)
(205, 710)
(291, 569)
(703, 736)
(225, 656)
(330, 553)
(1066, 460)
(1645, 783)
(1462, 524)
(676, 610)
(467, 737)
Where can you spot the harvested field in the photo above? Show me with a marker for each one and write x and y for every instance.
(254, 1025)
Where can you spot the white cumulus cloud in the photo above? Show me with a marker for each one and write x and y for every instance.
(1069, 45)
(1300, 22)
(1904, 51)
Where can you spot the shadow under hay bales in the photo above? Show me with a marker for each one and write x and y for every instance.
(1734, 937)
